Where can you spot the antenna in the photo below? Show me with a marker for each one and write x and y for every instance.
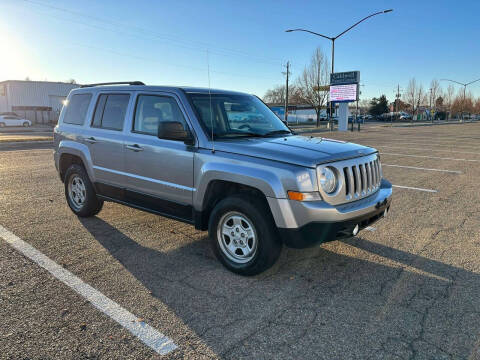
(210, 99)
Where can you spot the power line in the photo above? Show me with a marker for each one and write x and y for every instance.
(153, 35)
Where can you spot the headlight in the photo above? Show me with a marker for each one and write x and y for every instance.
(328, 180)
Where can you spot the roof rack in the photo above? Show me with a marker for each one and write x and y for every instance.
(115, 83)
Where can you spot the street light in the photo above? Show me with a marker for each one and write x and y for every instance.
(464, 89)
(332, 39)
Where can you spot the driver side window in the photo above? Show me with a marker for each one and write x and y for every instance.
(153, 109)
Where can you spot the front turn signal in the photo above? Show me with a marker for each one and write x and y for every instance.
(304, 196)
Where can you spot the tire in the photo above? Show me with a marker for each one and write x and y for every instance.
(26, 124)
(244, 215)
(79, 192)
(2, 125)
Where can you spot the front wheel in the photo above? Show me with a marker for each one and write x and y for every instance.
(80, 194)
(243, 235)
(26, 124)
(2, 125)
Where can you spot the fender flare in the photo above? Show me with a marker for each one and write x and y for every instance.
(80, 150)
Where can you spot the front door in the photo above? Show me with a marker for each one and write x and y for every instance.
(160, 172)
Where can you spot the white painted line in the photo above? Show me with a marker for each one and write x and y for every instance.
(421, 168)
(456, 145)
(414, 188)
(434, 150)
(430, 157)
(371, 228)
(147, 334)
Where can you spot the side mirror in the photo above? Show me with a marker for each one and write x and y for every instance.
(174, 130)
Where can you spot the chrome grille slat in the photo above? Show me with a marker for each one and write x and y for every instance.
(378, 172)
(369, 176)
(356, 174)
(357, 178)
(350, 182)
(364, 179)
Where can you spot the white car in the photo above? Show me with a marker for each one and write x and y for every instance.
(12, 120)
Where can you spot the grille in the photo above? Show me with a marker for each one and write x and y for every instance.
(357, 178)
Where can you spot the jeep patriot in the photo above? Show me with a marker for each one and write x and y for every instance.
(219, 160)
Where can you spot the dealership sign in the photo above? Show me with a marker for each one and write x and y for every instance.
(343, 93)
(343, 78)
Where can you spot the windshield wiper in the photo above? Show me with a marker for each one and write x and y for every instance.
(234, 134)
(277, 132)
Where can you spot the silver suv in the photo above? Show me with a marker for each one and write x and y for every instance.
(219, 160)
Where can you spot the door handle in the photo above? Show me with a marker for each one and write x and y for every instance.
(134, 147)
(91, 140)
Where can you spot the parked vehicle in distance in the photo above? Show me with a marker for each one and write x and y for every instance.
(14, 120)
(405, 116)
(180, 152)
(356, 120)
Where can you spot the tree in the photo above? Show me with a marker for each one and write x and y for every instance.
(71, 81)
(414, 95)
(448, 99)
(463, 103)
(275, 95)
(477, 106)
(435, 92)
(378, 106)
(314, 76)
(439, 102)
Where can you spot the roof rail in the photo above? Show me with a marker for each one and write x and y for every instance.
(114, 83)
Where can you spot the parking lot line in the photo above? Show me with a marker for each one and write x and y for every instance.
(415, 188)
(430, 157)
(430, 144)
(144, 332)
(422, 168)
(434, 150)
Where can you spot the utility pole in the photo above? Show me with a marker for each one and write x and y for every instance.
(397, 97)
(287, 73)
(430, 107)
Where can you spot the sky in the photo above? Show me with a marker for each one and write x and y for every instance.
(242, 43)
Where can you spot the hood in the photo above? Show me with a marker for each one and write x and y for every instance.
(298, 150)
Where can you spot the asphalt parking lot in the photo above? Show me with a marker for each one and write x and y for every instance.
(407, 288)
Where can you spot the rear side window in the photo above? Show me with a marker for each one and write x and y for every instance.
(110, 111)
(77, 109)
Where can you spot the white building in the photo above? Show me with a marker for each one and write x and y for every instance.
(38, 101)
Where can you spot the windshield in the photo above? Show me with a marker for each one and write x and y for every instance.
(236, 116)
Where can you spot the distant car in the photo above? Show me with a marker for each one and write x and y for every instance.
(357, 120)
(405, 116)
(11, 120)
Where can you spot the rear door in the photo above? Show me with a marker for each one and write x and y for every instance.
(159, 169)
(104, 139)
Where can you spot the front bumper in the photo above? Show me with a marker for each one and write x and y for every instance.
(304, 224)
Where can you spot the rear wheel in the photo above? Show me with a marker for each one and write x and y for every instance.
(243, 235)
(80, 194)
